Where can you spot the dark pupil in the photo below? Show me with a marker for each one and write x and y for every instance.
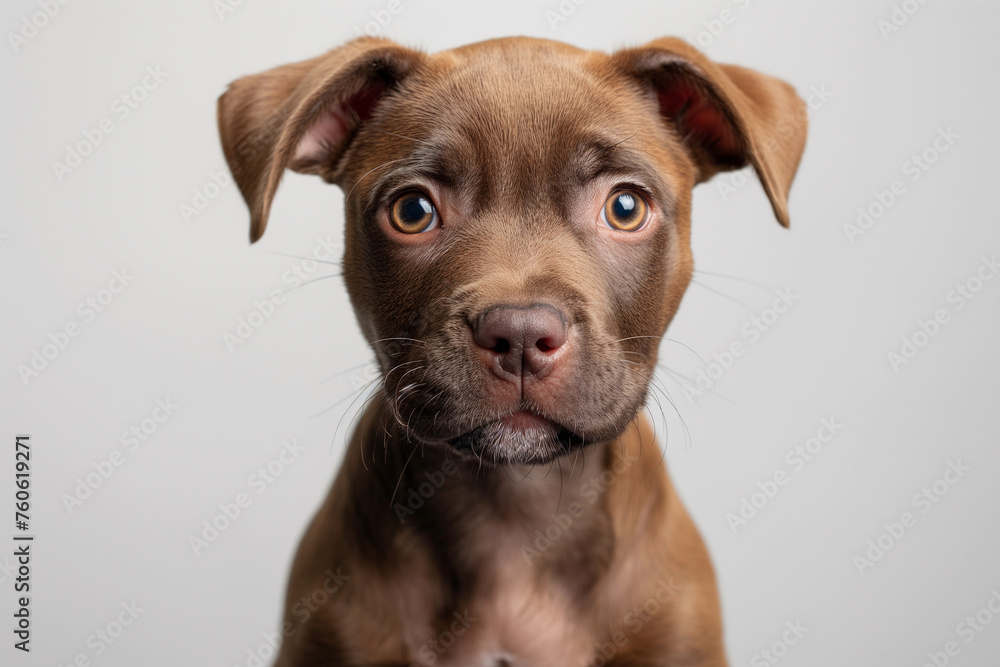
(415, 209)
(624, 207)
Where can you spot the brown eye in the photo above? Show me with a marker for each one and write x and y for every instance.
(413, 213)
(625, 210)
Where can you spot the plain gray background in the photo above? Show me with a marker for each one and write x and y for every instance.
(886, 97)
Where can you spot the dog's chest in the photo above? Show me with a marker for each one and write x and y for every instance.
(516, 565)
(517, 615)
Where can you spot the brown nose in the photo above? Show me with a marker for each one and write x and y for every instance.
(522, 339)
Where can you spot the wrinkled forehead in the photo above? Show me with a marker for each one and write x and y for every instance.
(502, 122)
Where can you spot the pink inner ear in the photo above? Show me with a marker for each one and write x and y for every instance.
(697, 115)
(365, 100)
(334, 125)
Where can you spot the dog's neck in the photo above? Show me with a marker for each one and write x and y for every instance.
(545, 514)
(515, 493)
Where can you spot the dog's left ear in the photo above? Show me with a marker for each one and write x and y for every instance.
(727, 116)
(303, 116)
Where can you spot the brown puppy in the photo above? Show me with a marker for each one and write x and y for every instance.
(517, 242)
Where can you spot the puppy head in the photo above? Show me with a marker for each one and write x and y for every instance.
(517, 216)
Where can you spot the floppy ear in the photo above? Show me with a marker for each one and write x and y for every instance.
(727, 116)
(303, 116)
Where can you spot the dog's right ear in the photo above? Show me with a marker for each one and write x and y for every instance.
(726, 116)
(303, 116)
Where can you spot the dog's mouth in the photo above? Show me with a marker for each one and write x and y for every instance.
(539, 428)
(523, 436)
(444, 395)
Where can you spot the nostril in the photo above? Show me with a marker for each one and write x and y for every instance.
(546, 332)
(547, 345)
(502, 346)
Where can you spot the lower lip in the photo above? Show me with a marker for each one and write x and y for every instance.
(522, 420)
